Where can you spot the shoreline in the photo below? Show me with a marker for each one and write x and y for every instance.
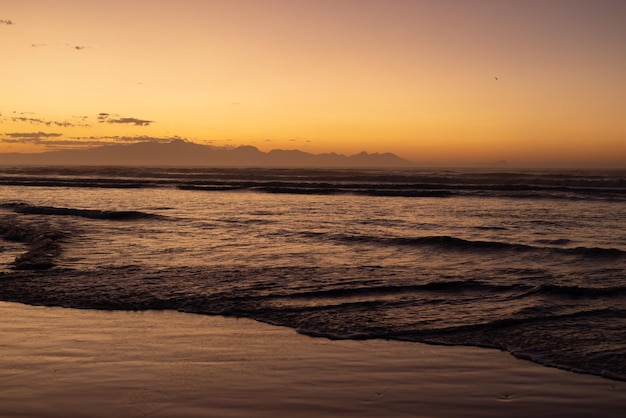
(74, 363)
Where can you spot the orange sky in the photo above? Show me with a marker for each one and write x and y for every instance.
(413, 77)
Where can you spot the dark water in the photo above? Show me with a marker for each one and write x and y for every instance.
(525, 261)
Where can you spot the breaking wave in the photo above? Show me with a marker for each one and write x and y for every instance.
(25, 208)
(440, 312)
(43, 243)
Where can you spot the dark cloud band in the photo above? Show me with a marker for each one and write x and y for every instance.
(37, 121)
(53, 139)
(29, 137)
(32, 135)
(107, 118)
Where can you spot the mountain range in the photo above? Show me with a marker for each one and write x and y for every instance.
(185, 153)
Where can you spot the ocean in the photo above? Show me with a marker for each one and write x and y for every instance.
(531, 262)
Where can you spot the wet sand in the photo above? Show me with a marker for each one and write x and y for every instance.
(58, 362)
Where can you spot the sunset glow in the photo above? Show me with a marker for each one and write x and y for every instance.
(464, 82)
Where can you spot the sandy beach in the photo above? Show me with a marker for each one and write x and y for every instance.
(84, 363)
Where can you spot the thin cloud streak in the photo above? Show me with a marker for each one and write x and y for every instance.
(37, 121)
(98, 141)
(29, 137)
(108, 118)
(52, 139)
(114, 139)
(8, 22)
(76, 47)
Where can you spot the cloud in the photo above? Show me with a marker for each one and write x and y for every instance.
(30, 120)
(53, 141)
(33, 135)
(61, 124)
(95, 141)
(29, 137)
(132, 121)
(77, 47)
(108, 118)
(116, 139)
(57, 143)
(6, 22)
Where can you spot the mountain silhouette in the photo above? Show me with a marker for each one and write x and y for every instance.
(185, 153)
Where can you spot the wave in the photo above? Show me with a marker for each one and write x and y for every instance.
(42, 240)
(608, 186)
(525, 320)
(579, 291)
(320, 189)
(459, 244)
(558, 241)
(595, 252)
(26, 208)
(545, 323)
(442, 287)
(441, 241)
(463, 286)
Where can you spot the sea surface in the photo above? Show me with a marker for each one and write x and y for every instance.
(531, 262)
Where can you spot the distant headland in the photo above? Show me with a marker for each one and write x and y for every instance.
(184, 153)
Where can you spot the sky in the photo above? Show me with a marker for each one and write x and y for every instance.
(448, 82)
